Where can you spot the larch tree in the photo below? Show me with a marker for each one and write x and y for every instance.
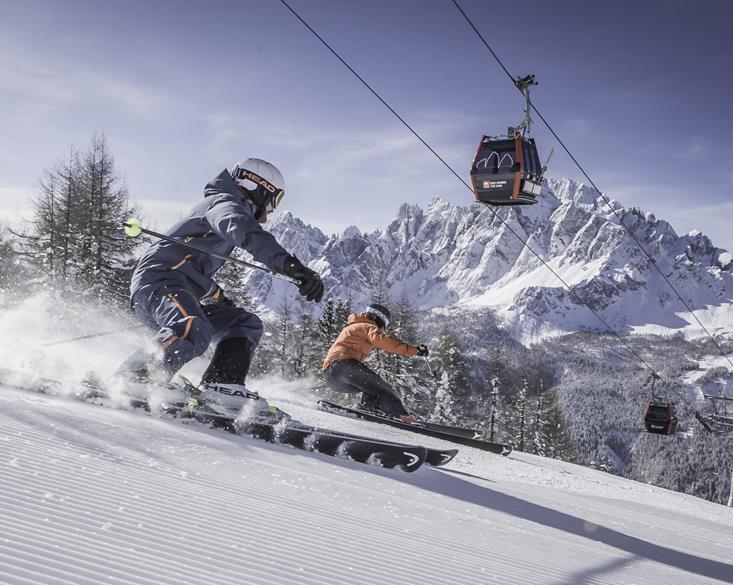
(75, 241)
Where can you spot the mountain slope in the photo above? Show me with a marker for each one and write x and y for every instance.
(451, 256)
(92, 495)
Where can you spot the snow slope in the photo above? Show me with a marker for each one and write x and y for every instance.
(93, 495)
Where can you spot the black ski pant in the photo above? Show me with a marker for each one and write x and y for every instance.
(352, 376)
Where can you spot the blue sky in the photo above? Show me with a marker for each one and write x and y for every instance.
(638, 90)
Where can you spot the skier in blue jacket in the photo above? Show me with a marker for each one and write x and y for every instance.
(173, 288)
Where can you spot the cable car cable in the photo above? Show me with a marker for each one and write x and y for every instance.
(605, 199)
(369, 87)
(493, 211)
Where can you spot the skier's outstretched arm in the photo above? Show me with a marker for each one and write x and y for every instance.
(389, 342)
(234, 221)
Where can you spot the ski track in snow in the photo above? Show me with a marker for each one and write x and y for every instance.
(93, 495)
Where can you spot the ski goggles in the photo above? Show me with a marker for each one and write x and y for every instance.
(264, 190)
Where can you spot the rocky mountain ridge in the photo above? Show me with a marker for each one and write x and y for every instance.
(448, 257)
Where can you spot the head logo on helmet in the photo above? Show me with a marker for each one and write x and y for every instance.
(245, 174)
(262, 183)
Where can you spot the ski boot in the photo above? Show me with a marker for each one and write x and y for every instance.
(142, 382)
(238, 400)
(373, 405)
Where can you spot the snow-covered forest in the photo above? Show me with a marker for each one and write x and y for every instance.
(525, 367)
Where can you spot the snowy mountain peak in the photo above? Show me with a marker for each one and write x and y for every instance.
(568, 190)
(471, 256)
(351, 232)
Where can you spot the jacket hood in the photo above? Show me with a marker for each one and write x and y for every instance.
(222, 183)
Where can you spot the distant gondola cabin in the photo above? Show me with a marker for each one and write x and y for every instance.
(506, 170)
(660, 418)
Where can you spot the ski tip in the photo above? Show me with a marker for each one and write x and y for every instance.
(414, 458)
(407, 459)
(440, 458)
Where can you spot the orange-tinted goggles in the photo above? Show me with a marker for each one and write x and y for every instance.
(264, 189)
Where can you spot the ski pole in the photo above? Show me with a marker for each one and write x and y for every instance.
(430, 369)
(134, 229)
(91, 336)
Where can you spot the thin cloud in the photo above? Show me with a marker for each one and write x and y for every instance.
(576, 127)
(22, 74)
(227, 130)
(34, 86)
(135, 98)
(693, 151)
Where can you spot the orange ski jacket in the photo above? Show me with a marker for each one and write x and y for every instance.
(359, 337)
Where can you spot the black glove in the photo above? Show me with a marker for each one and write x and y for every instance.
(310, 285)
(422, 350)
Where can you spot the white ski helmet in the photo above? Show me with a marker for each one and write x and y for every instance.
(262, 181)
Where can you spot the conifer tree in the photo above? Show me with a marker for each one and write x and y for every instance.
(520, 420)
(283, 355)
(327, 324)
(494, 410)
(453, 388)
(13, 271)
(306, 356)
(444, 402)
(341, 313)
(76, 241)
(105, 250)
(539, 438)
(52, 243)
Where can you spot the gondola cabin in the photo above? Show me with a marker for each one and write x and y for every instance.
(506, 170)
(660, 418)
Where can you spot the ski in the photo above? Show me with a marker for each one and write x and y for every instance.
(458, 431)
(434, 457)
(430, 431)
(286, 431)
(307, 438)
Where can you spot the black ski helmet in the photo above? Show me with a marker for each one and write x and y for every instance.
(379, 314)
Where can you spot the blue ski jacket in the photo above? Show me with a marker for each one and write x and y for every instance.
(222, 221)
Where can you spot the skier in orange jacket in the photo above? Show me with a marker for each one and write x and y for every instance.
(344, 371)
